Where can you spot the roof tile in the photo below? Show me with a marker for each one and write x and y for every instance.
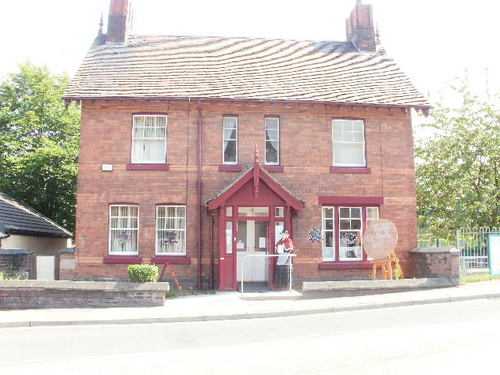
(242, 69)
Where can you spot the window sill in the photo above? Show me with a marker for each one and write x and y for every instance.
(345, 265)
(148, 167)
(122, 259)
(230, 168)
(274, 168)
(171, 259)
(351, 170)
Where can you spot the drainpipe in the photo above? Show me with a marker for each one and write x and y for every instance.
(199, 191)
(212, 265)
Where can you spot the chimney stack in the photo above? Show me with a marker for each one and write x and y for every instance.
(118, 21)
(359, 27)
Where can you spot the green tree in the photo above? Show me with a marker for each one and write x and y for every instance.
(457, 169)
(39, 143)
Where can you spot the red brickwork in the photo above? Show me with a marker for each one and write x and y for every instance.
(66, 265)
(306, 155)
(34, 294)
(436, 262)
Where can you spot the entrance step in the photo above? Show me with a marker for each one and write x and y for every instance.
(271, 295)
(253, 287)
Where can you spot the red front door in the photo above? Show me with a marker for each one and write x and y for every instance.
(227, 255)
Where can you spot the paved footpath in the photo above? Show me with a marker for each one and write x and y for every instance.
(229, 305)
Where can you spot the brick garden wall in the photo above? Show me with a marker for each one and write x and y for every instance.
(437, 262)
(29, 294)
(306, 154)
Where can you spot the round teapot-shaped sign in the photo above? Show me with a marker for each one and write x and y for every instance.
(380, 239)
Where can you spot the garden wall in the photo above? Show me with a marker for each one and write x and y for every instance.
(436, 262)
(33, 294)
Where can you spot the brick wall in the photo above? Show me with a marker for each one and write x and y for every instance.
(437, 262)
(29, 294)
(306, 154)
(66, 264)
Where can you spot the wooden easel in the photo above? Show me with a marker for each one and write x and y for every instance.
(386, 266)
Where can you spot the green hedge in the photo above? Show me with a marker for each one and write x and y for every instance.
(143, 273)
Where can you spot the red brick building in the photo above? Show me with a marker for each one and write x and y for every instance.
(168, 171)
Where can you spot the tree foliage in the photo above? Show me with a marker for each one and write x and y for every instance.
(457, 169)
(39, 143)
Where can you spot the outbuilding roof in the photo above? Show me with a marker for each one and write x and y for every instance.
(19, 218)
(242, 69)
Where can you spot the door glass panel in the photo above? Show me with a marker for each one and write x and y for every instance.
(241, 244)
(253, 211)
(260, 236)
(278, 228)
(229, 237)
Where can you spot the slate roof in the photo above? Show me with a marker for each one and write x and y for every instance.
(22, 219)
(242, 69)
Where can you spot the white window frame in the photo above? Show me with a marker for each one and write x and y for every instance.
(276, 140)
(368, 219)
(360, 231)
(166, 206)
(111, 229)
(323, 233)
(224, 139)
(348, 142)
(159, 161)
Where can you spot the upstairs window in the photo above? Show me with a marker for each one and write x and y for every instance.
(123, 229)
(348, 143)
(149, 139)
(230, 140)
(272, 129)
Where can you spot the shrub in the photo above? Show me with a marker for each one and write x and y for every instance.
(1, 276)
(143, 273)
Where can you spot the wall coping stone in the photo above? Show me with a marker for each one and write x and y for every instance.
(423, 283)
(104, 286)
(15, 252)
(67, 250)
(432, 250)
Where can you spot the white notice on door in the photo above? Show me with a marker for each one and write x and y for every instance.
(240, 245)
(262, 242)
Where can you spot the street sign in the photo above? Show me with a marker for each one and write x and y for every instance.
(494, 253)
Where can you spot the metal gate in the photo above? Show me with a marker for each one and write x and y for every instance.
(473, 246)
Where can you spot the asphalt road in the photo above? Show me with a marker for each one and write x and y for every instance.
(447, 338)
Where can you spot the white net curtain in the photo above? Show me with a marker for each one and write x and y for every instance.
(149, 139)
